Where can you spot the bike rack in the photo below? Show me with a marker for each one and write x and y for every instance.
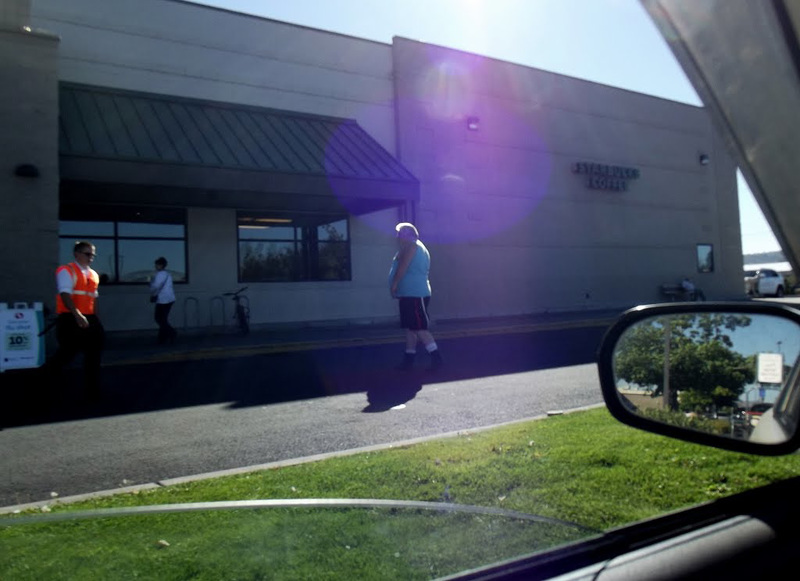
(214, 301)
(194, 303)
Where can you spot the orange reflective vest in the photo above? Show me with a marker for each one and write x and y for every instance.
(84, 289)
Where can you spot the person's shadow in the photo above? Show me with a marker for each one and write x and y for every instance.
(398, 389)
(270, 378)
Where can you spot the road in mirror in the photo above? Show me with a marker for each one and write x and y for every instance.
(731, 374)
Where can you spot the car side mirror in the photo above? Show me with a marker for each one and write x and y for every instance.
(720, 374)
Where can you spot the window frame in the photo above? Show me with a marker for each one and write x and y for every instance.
(116, 215)
(306, 244)
(712, 265)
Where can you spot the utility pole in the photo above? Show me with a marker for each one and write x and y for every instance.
(667, 343)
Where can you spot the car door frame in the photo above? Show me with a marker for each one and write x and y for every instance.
(750, 534)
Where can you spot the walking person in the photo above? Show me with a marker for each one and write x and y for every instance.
(163, 295)
(78, 328)
(408, 282)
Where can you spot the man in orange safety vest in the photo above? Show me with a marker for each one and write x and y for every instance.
(77, 327)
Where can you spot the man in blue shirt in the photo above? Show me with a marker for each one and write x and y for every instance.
(408, 282)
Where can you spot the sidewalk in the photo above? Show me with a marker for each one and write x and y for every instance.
(140, 347)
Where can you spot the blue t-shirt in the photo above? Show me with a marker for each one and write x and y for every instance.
(415, 282)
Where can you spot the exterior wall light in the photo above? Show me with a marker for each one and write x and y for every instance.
(704, 159)
(26, 170)
(473, 123)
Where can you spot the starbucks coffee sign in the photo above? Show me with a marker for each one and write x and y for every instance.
(600, 176)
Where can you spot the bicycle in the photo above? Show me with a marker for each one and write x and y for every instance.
(242, 310)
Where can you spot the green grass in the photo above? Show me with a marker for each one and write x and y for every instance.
(582, 467)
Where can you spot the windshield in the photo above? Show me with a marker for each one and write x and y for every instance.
(313, 289)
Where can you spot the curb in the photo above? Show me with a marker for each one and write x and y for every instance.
(4, 510)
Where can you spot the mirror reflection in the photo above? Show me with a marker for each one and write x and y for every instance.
(731, 374)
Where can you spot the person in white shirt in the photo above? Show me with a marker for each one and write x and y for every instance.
(691, 292)
(163, 295)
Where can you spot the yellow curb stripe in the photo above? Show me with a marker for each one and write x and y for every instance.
(229, 352)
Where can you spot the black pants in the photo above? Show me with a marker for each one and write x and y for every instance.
(695, 295)
(72, 340)
(165, 330)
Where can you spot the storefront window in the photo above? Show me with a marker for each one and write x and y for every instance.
(334, 251)
(127, 242)
(274, 249)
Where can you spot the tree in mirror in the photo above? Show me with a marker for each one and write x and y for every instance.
(719, 373)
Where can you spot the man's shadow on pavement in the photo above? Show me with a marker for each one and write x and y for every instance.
(266, 379)
(396, 390)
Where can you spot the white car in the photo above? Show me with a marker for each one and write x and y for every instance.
(764, 282)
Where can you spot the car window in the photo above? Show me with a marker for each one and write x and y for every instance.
(314, 289)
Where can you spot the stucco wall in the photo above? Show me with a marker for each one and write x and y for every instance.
(178, 48)
(28, 136)
(514, 230)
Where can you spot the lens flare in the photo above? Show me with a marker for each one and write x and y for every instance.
(447, 90)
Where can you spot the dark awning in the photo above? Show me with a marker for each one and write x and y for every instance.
(173, 150)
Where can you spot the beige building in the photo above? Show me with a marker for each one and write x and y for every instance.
(256, 153)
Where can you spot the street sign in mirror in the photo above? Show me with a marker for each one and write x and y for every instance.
(770, 368)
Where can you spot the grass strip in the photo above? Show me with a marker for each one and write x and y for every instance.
(582, 467)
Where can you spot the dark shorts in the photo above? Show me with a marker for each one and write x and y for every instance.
(414, 313)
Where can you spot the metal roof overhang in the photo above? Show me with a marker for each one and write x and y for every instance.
(135, 148)
(120, 182)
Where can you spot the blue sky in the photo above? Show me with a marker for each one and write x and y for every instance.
(606, 41)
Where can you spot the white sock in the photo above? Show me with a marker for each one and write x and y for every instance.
(431, 347)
